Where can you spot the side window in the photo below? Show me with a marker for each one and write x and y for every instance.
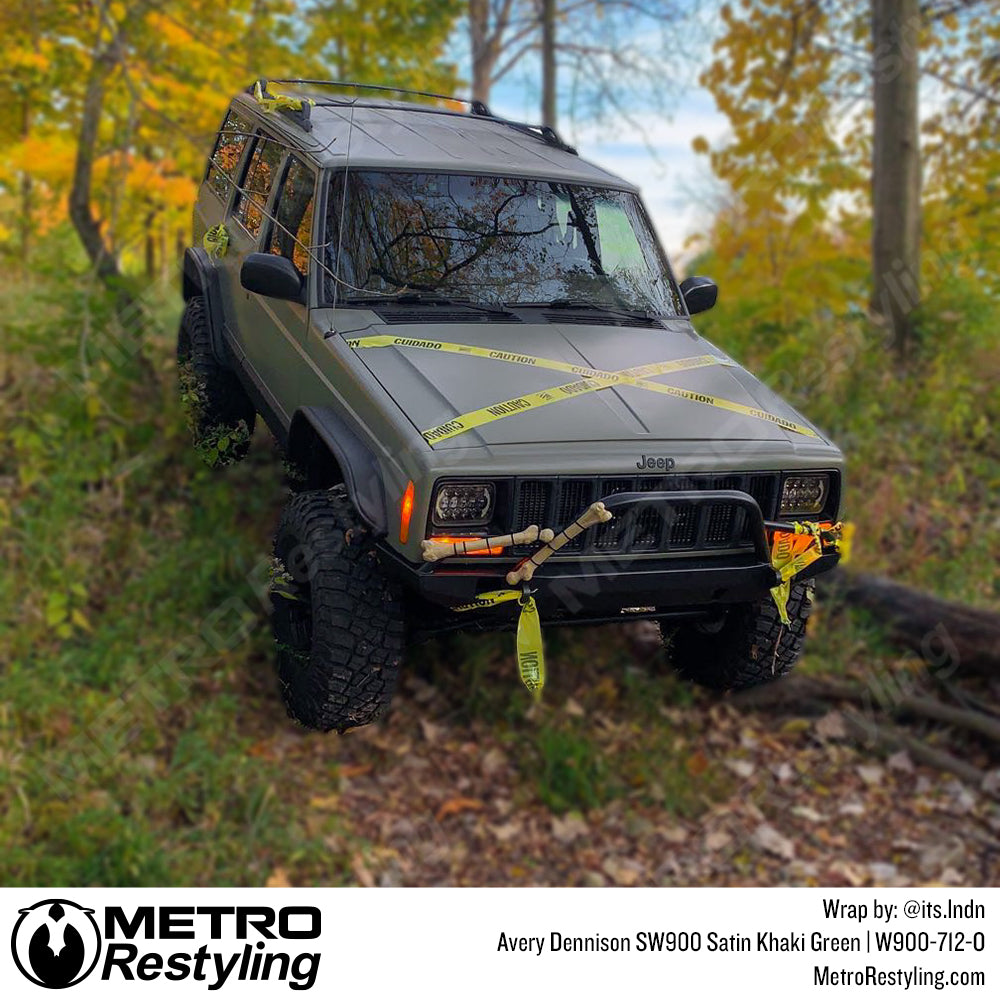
(225, 157)
(291, 229)
(251, 201)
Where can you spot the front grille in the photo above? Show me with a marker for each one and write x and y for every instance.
(553, 502)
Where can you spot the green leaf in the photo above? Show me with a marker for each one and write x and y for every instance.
(56, 608)
(79, 619)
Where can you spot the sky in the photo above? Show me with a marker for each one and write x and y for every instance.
(676, 183)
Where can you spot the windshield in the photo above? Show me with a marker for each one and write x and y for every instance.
(493, 241)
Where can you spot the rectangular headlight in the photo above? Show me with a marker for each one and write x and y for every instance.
(804, 494)
(463, 504)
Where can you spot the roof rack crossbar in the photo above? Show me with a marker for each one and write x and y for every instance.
(544, 132)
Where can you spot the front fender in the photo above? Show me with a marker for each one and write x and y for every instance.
(359, 467)
(200, 277)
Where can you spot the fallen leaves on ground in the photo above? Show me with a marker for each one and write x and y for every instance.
(441, 795)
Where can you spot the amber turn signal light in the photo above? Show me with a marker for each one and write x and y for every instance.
(406, 512)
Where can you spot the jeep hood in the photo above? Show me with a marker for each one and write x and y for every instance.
(432, 387)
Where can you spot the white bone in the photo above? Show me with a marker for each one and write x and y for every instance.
(596, 513)
(434, 550)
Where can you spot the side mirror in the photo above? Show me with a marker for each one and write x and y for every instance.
(271, 275)
(699, 294)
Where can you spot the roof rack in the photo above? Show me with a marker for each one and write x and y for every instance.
(476, 107)
(545, 133)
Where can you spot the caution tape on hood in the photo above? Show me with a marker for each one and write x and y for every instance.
(797, 547)
(589, 380)
(531, 360)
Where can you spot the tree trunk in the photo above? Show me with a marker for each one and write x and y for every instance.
(80, 212)
(549, 107)
(150, 254)
(88, 228)
(483, 56)
(896, 169)
(26, 221)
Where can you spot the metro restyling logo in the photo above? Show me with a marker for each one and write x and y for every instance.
(57, 943)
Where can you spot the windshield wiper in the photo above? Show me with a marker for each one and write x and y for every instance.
(587, 304)
(423, 299)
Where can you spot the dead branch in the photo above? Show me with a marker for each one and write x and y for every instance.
(892, 738)
(820, 694)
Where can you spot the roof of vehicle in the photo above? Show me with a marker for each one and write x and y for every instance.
(394, 135)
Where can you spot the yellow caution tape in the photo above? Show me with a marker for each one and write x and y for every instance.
(591, 380)
(796, 550)
(846, 542)
(530, 652)
(489, 600)
(216, 241)
(278, 102)
(496, 411)
(629, 376)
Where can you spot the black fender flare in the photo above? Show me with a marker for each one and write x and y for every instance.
(201, 277)
(359, 467)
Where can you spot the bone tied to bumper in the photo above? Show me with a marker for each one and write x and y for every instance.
(596, 513)
(434, 550)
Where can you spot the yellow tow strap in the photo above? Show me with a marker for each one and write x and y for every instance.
(530, 650)
(530, 653)
(216, 241)
(590, 380)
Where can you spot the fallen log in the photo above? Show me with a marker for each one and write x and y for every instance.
(951, 638)
(823, 693)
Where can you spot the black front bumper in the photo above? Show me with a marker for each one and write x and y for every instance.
(602, 587)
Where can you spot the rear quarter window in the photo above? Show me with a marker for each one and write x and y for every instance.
(225, 158)
(251, 201)
(291, 228)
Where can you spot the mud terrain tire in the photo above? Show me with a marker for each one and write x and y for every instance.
(219, 412)
(748, 647)
(337, 617)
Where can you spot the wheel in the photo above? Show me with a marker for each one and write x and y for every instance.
(219, 413)
(747, 647)
(338, 619)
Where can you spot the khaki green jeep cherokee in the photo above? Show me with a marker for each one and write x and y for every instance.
(484, 376)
